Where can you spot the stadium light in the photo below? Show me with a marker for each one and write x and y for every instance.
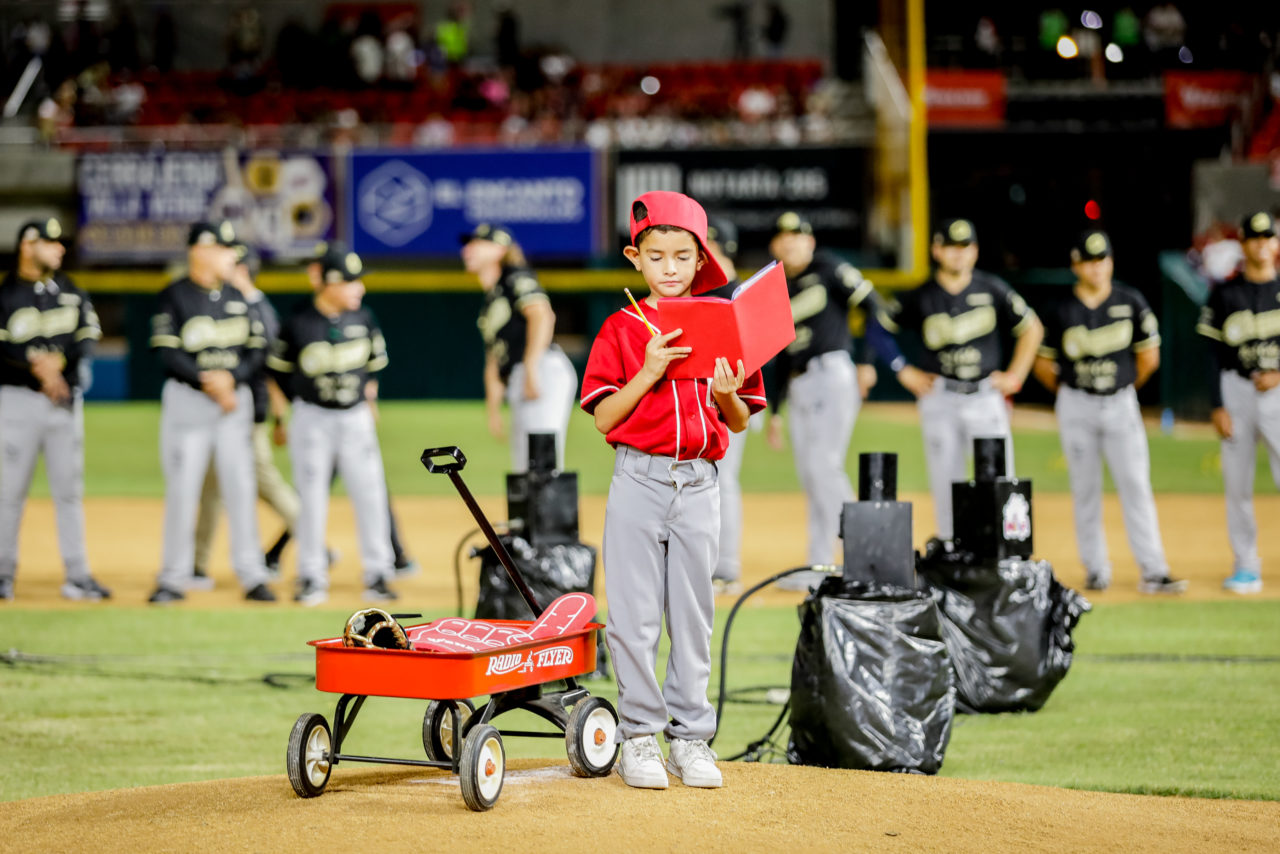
(1067, 48)
(650, 85)
(1184, 54)
(1114, 53)
(1091, 19)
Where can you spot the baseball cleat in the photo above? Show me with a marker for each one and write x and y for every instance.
(640, 763)
(85, 589)
(310, 594)
(380, 592)
(408, 568)
(694, 762)
(200, 580)
(726, 587)
(1096, 582)
(165, 596)
(1166, 585)
(1243, 581)
(6, 589)
(260, 593)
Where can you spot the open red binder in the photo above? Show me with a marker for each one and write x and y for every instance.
(754, 326)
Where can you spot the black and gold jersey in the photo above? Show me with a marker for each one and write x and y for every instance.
(502, 323)
(821, 298)
(960, 333)
(1242, 318)
(1094, 347)
(49, 316)
(327, 360)
(198, 329)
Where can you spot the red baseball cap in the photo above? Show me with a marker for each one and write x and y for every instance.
(663, 207)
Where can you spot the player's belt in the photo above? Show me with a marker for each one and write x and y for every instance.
(961, 386)
(1108, 392)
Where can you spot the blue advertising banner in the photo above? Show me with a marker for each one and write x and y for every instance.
(136, 207)
(403, 203)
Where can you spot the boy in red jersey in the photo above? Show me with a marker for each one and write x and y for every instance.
(662, 520)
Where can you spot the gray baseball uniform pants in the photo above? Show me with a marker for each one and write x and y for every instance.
(1093, 427)
(823, 406)
(548, 413)
(30, 424)
(194, 428)
(950, 421)
(319, 439)
(1255, 417)
(272, 488)
(661, 529)
(729, 566)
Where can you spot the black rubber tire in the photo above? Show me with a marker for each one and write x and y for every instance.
(437, 735)
(591, 728)
(310, 745)
(481, 781)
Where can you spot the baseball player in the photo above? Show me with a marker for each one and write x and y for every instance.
(817, 375)
(522, 364)
(325, 359)
(211, 347)
(47, 330)
(722, 244)
(662, 525)
(332, 253)
(1100, 345)
(1242, 318)
(960, 316)
(272, 487)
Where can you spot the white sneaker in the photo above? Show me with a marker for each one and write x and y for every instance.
(694, 762)
(640, 764)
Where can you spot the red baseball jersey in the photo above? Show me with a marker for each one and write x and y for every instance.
(676, 418)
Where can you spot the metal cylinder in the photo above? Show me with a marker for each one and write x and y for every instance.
(877, 477)
(988, 458)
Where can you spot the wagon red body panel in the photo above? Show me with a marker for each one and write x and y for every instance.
(454, 675)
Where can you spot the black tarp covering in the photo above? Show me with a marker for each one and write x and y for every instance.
(550, 571)
(1007, 627)
(871, 686)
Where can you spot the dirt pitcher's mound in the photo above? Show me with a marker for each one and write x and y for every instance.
(544, 808)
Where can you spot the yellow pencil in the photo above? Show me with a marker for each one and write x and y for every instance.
(652, 330)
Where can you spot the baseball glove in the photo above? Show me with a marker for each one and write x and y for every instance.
(374, 628)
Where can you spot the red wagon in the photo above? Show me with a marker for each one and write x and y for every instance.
(513, 677)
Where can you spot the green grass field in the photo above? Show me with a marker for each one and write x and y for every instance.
(1165, 698)
(1169, 697)
(122, 453)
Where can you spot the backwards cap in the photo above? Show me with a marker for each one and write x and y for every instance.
(662, 207)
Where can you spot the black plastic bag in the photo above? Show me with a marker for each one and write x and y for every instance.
(550, 571)
(1008, 628)
(871, 686)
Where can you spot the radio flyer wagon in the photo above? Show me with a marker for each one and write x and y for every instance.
(455, 734)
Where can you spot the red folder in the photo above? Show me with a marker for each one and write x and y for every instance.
(754, 326)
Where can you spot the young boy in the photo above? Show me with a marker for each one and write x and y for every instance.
(662, 520)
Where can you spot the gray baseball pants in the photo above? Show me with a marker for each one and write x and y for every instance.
(949, 422)
(548, 413)
(1093, 427)
(729, 566)
(319, 439)
(823, 406)
(1255, 417)
(272, 488)
(661, 530)
(31, 424)
(194, 428)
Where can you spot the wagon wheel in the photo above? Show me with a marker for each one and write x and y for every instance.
(483, 764)
(589, 737)
(308, 757)
(438, 736)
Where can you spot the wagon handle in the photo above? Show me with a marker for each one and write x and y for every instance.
(458, 464)
(504, 557)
